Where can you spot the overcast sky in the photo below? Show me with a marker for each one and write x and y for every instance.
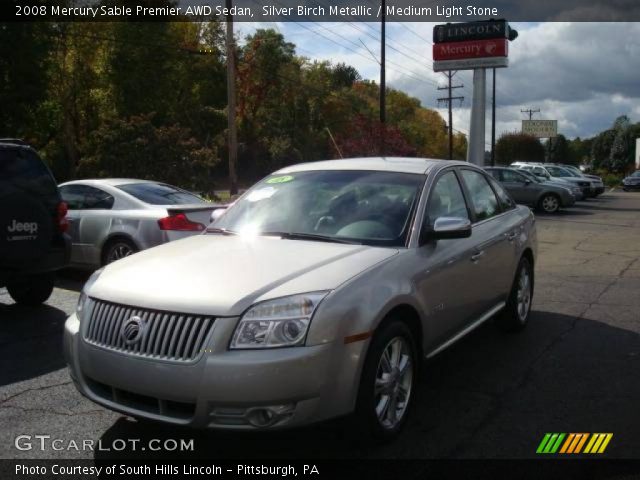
(582, 74)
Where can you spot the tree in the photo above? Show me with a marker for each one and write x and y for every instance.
(362, 139)
(513, 147)
(135, 147)
(557, 150)
(24, 78)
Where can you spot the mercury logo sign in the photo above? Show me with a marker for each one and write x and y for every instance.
(23, 227)
(133, 330)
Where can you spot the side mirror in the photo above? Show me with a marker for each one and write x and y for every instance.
(446, 228)
(527, 181)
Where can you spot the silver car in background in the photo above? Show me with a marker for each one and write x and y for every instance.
(317, 294)
(110, 219)
(546, 197)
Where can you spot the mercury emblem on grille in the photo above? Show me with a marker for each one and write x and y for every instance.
(132, 330)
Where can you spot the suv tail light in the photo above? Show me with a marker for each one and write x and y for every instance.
(61, 217)
(179, 222)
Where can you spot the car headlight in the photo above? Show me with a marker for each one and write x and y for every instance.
(282, 322)
(83, 299)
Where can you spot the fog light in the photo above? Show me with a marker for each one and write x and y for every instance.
(262, 417)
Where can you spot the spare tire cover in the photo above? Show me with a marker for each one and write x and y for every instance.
(26, 227)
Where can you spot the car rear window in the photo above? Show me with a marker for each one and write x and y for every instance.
(160, 194)
(24, 170)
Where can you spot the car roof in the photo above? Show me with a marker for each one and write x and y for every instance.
(113, 182)
(382, 164)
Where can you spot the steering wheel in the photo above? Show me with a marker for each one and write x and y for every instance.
(386, 219)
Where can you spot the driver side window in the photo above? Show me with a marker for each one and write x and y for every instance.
(446, 199)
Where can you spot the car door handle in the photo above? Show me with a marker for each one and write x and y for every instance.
(477, 256)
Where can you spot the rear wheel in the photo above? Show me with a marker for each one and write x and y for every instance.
(117, 249)
(387, 380)
(549, 203)
(515, 316)
(32, 290)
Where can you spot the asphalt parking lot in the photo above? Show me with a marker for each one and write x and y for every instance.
(576, 368)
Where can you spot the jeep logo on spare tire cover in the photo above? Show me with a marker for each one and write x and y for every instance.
(26, 228)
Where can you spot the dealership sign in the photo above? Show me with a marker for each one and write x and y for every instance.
(540, 128)
(457, 32)
(466, 46)
(470, 64)
(472, 49)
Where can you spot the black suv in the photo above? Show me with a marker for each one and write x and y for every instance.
(33, 243)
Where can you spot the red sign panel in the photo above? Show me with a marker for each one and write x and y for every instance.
(497, 47)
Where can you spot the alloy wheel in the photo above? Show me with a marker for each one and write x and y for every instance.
(524, 295)
(118, 251)
(394, 379)
(550, 204)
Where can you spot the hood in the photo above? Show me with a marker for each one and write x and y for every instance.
(224, 275)
(631, 179)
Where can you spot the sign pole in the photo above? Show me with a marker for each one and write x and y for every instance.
(475, 150)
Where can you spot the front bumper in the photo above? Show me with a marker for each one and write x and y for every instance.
(221, 389)
(568, 200)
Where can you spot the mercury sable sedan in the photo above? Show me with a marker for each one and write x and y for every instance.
(317, 294)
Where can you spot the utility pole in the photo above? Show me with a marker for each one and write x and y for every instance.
(531, 112)
(231, 104)
(448, 101)
(383, 83)
(493, 121)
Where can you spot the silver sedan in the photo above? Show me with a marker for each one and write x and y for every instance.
(112, 218)
(317, 294)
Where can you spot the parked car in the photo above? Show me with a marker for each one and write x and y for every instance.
(113, 218)
(597, 185)
(632, 182)
(317, 294)
(33, 244)
(575, 189)
(548, 198)
(556, 174)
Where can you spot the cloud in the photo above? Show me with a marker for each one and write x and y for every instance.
(582, 74)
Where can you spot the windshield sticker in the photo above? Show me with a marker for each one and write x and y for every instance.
(283, 179)
(261, 194)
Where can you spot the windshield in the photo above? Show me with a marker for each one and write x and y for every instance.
(636, 174)
(372, 208)
(160, 194)
(573, 170)
(559, 172)
(529, 175)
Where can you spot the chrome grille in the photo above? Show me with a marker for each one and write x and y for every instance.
(170, 336)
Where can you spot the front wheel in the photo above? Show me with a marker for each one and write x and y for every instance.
(515, 315)
(387, 382)
(549, 203)
(32, 290)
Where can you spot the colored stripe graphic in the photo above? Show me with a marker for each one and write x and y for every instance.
(574, 443)
(550, 443)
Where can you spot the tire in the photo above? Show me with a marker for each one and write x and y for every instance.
(116, 249)
(515, 315)
(391, 352)
(32, 290)
(549, 203)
